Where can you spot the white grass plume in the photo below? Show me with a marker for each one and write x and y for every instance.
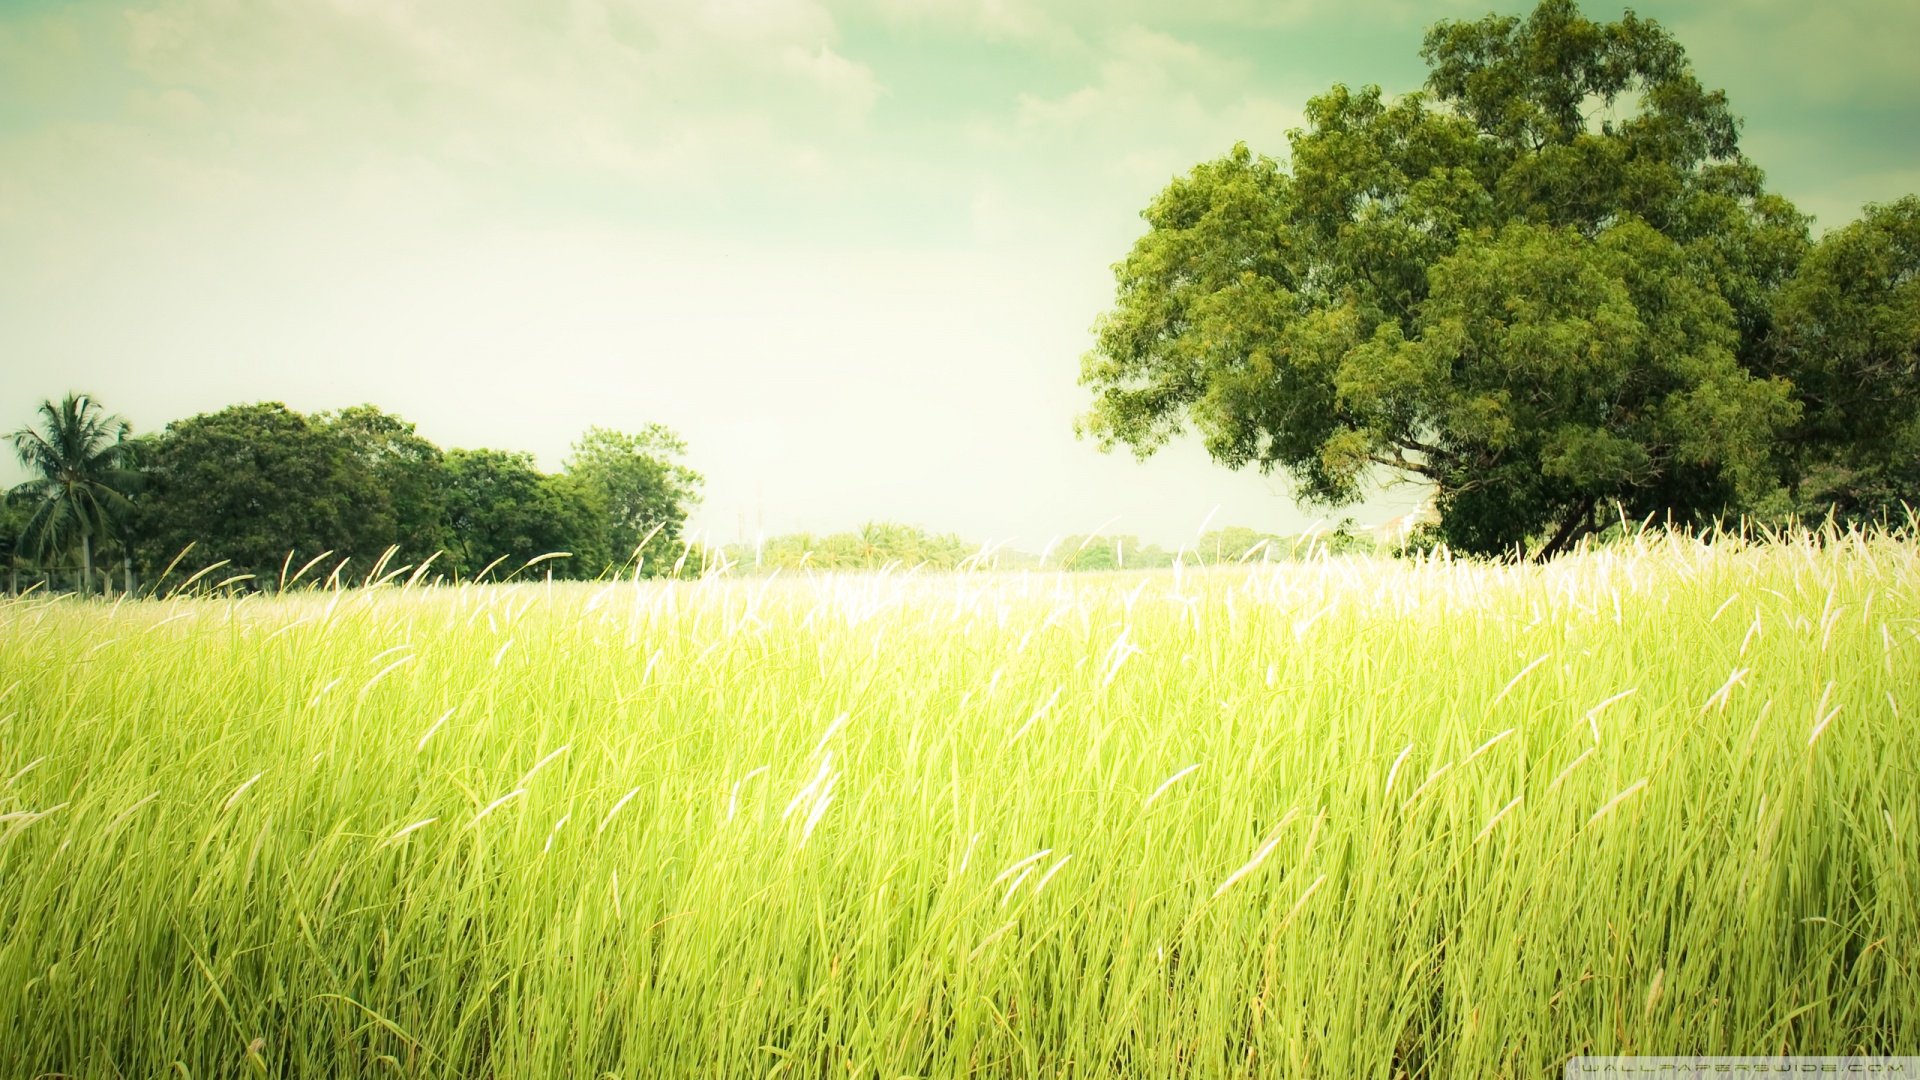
(733, 796)
(27, 768)
(541, 764)
(1495, 819)
(1048, 876)
(1011, 889)
(1169, 782)
(436, 727)
(555, 831)
(413, 828)
(1035, 718)
(968, 857)
(605, 821)
(130, 811)
(1593, 713)
(383, 673)
(832, 730)
(239, 791)
(1572, 765)
(1302, 902)
(1486, 746)
(1258, 857)
(495, 805)
(1515, 681)
(1720, 696)
(819, 809)
(1395, 771)
(1826, 719)
(1616, 801)
(1432, 778)
(806, 793)
(1015, 868)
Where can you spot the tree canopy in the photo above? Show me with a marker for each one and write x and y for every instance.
(501, 510)
(264, 489)
(643, 490)
(1549, 285)
(255, 484)
(1850, 341)
(80, 478)
(404, 488)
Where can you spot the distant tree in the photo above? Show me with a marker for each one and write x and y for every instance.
(79, 482)
(1234, 543)
(875, 545)
(580, 512)
(252, 484)
(502, 511)
(406, 500)
(1108, 552)
(1544, 287)
(645, 491)
(1097, 554)
(1850, 342)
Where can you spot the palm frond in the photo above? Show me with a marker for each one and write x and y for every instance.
(79, 483)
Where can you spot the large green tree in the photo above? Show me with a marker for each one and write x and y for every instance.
(644, 490)
(1544, 286)
(1849, 338)
(256, 484)
(405, 501)
(502, 512)
(79, 480)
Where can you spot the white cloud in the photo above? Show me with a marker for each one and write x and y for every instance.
(1023, 21)
(1043, 20)
(232, 109)
(1154, 105)
(1848, 52)
(665, 91)
(509, 79)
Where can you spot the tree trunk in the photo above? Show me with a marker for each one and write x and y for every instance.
(86, 566)
(1570, 530)
(127, 567)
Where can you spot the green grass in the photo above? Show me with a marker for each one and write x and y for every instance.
(795, 827)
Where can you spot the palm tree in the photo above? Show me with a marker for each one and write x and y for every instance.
(81, 477)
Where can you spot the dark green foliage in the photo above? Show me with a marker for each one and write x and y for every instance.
(266, 489)
(80, 477)
(13, 554)
(1544, 286)
(1850, 341)
(406, 475)
(251, 483)
(1559, 372)
(503, 512)
(644, 493)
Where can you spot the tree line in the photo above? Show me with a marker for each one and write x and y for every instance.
(886, 545)
(260, 496)
(1550, 285)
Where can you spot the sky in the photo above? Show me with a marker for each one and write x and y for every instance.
(851, 251)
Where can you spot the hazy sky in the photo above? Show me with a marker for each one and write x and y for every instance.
(850, 250)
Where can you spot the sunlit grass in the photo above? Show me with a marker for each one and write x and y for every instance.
(1352, 818)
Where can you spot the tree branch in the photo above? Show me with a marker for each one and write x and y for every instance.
(1569, 531)
(1398, 462)
(1419, 447)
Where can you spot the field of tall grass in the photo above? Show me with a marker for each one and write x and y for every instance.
(1347, 818)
